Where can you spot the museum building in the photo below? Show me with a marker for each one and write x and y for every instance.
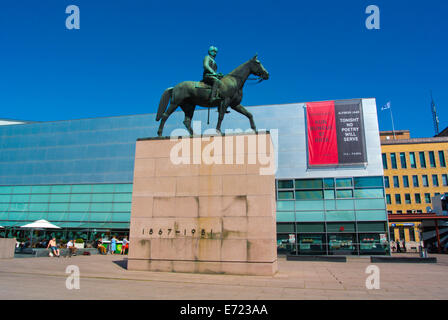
(78, 174)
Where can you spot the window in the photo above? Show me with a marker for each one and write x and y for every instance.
(441, 159)
(369, 193)
(403, 160)
(393, 160)
(405, 181)
(415, 181)
(283, 195)
(386, 182)
(396, 182)
(407, 198)
(344, 194)
(344, 183)
(388, 199)
(418, 199)
(412, 160)
(399, 212)
(432, 159)
(329, 183)
(285, 227)
(285, 184)
(445, 180)
(309, 195)
(427, 198)
(401, 233)
(309, 184)
(398, 199)
(435, 180)
(384, 160)
(411, 234)
(367, 182)
(422, 160)
(425, 180)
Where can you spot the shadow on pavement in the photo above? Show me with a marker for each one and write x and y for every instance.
(122, 263)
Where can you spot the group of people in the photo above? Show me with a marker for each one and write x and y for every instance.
(99, 244)
(54, 250)
(112, 248)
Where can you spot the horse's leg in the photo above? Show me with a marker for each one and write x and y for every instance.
(189, 111)
(222, 110)
(171, 108)
(239, 108)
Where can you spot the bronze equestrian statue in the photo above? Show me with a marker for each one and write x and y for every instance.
(189, 94)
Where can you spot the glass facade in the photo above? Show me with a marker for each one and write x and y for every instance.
(78, 174)
(104, 206)
(334, 216)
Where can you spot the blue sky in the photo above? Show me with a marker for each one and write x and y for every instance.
(127, 52)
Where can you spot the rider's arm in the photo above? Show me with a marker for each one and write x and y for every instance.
(207, 67)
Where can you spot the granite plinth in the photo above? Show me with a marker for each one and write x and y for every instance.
(204, 205)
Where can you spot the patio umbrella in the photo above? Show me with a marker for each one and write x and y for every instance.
(39, 225)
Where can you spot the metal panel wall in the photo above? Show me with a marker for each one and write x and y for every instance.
(101, 150)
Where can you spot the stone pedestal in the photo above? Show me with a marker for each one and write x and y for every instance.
(7, 248)
(204, 205)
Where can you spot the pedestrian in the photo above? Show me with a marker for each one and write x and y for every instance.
(113, 245)
(398, 246)
(124, 246)
(99, 245)
(52, 244)
(404, 246)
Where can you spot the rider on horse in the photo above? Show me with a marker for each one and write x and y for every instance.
(210, 76)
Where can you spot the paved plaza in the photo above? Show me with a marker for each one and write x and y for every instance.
(105, 277)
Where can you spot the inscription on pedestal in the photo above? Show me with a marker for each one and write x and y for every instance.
(206, 218)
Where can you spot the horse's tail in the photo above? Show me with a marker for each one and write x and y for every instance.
(166, 96)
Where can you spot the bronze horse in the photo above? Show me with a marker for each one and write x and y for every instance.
(189, 94)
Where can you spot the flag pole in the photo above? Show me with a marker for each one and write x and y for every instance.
(392, 118)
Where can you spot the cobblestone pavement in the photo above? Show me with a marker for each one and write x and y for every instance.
(105, 277)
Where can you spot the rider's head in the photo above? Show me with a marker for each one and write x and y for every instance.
(212, 51)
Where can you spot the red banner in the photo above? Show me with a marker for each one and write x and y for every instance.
(322, 140)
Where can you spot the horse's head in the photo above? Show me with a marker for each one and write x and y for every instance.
(257, 68)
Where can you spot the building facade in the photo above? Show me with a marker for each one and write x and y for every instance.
(414, 171)
(78, 174)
